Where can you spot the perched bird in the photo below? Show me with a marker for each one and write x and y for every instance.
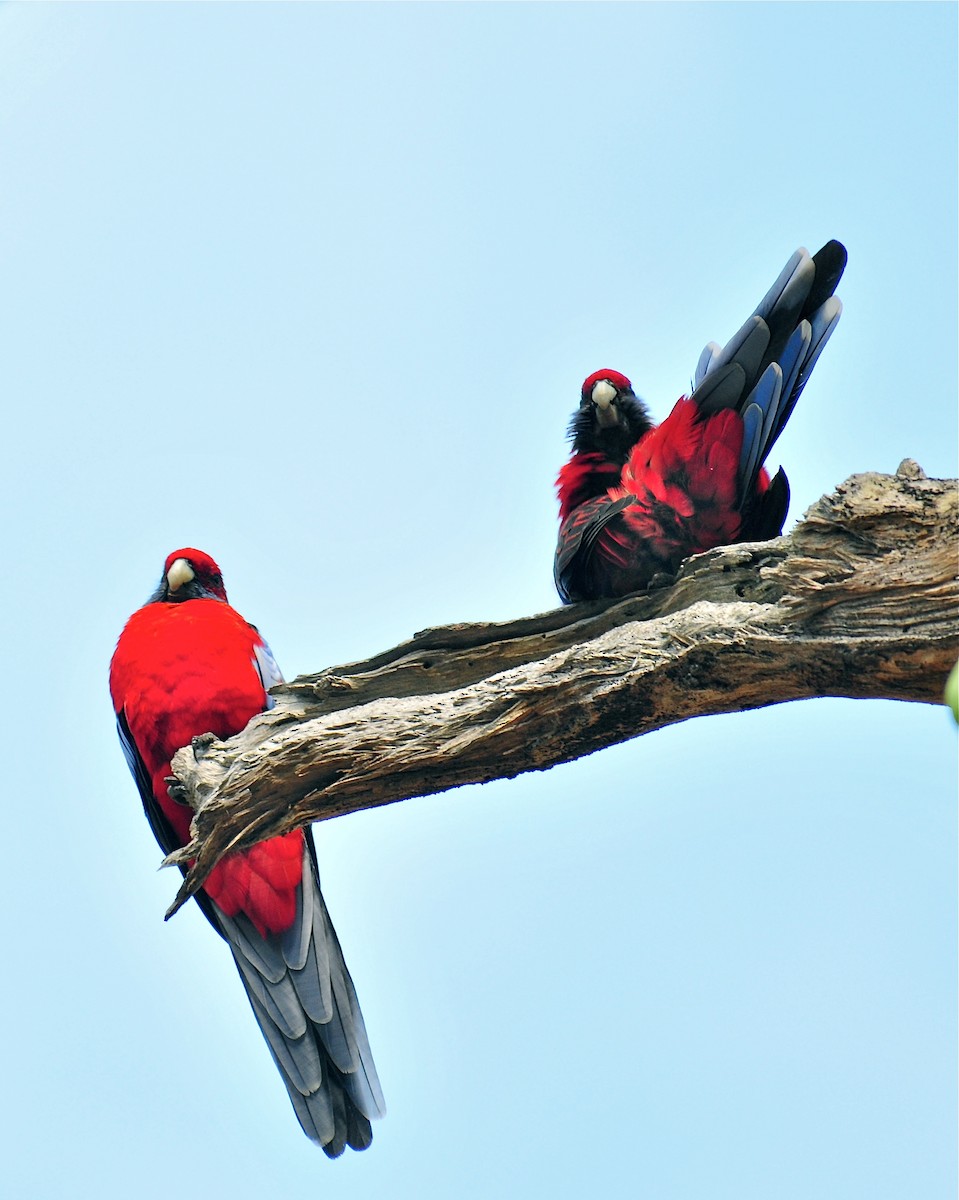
(187, 664)
(636, 498)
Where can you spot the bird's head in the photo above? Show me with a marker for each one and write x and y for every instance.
(189, 575)
(610, 419)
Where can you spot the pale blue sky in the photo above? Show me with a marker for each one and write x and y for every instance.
(314, 288)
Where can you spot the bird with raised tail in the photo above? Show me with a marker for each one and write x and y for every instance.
(637, 498)
(188, 664)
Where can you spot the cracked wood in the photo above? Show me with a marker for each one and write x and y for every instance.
(859, 600)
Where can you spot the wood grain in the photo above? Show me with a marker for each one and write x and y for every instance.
(859, 600)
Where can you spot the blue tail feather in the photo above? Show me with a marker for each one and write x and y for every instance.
(765, 399)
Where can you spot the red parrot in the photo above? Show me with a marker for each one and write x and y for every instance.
(636, 498)
(187, 664)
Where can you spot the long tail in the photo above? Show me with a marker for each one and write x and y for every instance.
(763, 369)
(306, 1006)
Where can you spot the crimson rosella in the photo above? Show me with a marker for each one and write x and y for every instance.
(637, 498)
(188, 664)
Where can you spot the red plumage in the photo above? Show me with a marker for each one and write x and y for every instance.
(678, 493)
(187, 664)
(186, 668)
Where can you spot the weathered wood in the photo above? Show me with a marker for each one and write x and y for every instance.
(860, 600)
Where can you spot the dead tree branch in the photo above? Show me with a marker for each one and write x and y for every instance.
(860, 600)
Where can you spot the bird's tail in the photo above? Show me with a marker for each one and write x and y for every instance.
(306, 1006)
(763, 369)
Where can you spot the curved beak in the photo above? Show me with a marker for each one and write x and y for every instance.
(179, 574)
(603, 399)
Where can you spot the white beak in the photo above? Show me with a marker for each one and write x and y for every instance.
(180, 572)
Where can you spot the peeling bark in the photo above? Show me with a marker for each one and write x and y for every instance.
(859, 600)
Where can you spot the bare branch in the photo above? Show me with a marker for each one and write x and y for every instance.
(860, 600)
